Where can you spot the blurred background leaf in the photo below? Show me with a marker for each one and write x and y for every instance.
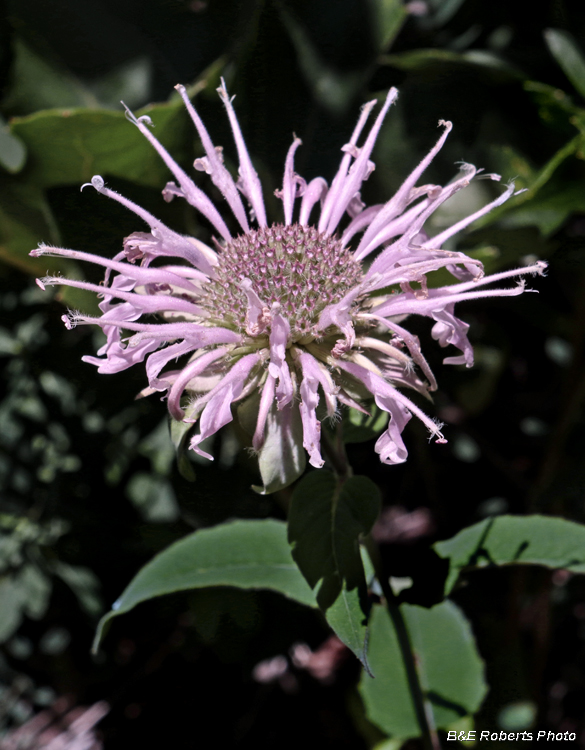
(566, 52)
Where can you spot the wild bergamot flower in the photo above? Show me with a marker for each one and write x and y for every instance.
(287, 317)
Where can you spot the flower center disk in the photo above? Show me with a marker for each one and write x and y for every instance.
(296, 266)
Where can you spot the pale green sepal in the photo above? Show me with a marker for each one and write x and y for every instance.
(282, 457)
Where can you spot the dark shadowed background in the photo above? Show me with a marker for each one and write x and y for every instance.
(90, 488)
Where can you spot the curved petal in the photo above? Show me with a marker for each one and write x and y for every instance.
(390, 446)
(290, 182)
(189, 190)
(278, 367)
(220, 176)
(217, 412)
(250, 182)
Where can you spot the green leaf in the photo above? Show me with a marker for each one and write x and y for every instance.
(326, 518)
(538, 181)
(70, 146)
(12, 150)
(548, 212)
(245, 554)
(39, 84)
(515, 540)
(388, 18)
(36, 589)
(25, 220)
(566, 52)
(180, 432)
(450, 669)
(437, 60)
(129, 82)
(84, 584)
(332, 88)
(452, 672)
(25, 591)
(153, 496)
(11, 606)
(387, 698)
(359, 427)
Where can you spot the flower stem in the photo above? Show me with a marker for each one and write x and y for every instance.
(334, 450)
(422, 707)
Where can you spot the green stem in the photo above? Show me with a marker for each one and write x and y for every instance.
(422, 707)
(337, 456)
(335, 452)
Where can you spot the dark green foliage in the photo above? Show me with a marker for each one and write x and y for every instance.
(91, 496)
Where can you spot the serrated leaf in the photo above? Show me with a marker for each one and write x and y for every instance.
(515, 540)
(326, 519)
(449, 668)
(566, 52)
(244, 554)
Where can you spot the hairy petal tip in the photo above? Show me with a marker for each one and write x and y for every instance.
(97, 182)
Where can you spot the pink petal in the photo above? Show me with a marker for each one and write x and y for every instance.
(290, 182)
(170, 243)
(249, 176)
(341, 175)
(400, 200)
(217, 412)
(222, 179)
(190, 191)
(341, 194)
(278, 367)
(315, 191)
(266, 404)
(390, 445)
(159, 359)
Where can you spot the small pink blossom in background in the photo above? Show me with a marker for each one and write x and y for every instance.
(284, 324)
(397, 525)
(52, 730)
(322, 664)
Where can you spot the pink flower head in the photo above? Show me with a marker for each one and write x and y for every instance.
(285, 322)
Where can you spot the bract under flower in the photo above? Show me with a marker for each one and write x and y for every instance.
(282, 316)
